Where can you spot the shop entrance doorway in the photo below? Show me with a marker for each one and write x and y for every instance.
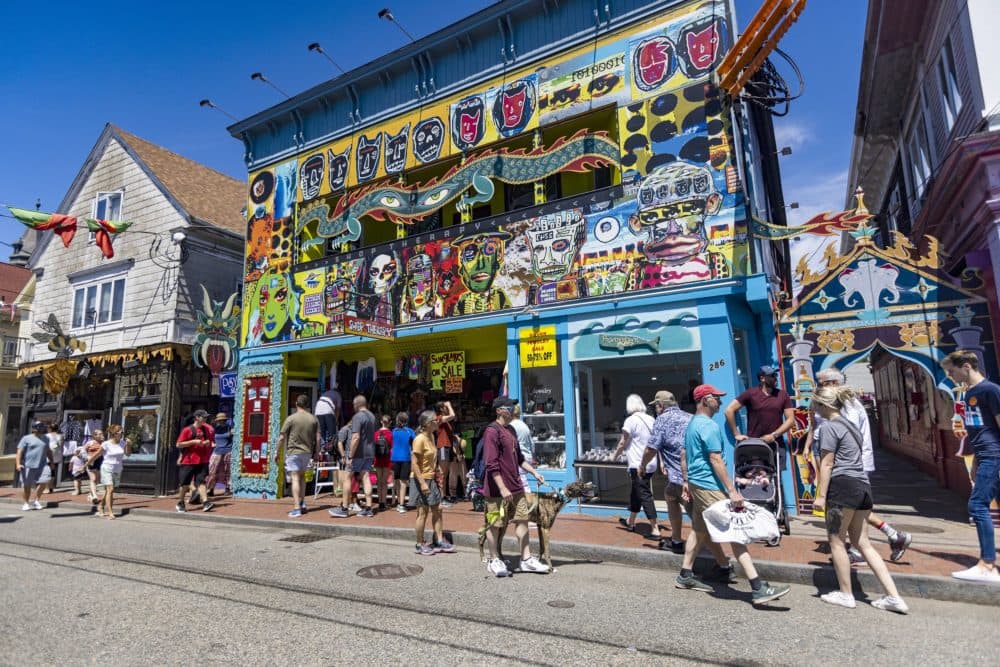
(600, 392)
(297, 388)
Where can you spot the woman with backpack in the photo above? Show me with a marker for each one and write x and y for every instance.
(402, 443)
(845, 493)
(383, 460)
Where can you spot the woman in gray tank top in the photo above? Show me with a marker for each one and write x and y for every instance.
(844, 492)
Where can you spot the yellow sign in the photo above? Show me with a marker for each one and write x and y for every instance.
(446, 365)
(538, 347)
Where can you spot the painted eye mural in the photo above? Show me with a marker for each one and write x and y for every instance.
(311, 176)
(339, 164)
(602, 85)
(428, 139)
(369, 154)
(262, 187)
(468, 124)
(514, 107)
(395, 150)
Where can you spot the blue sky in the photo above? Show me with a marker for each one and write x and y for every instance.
(144, 68)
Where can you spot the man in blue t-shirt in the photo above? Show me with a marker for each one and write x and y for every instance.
(707, 482)
(980, 413)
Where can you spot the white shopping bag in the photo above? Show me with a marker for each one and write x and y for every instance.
(752, 524)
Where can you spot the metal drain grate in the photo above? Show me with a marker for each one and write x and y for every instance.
(389, 571)
(306, 538)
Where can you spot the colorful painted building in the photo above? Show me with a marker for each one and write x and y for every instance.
(539, 200)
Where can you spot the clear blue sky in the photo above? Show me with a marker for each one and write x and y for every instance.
(68, 68)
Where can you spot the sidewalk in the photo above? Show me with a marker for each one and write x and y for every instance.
(942, 539)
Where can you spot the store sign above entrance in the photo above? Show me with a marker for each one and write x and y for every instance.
(538, 347)
(445, 365)
(368, 328)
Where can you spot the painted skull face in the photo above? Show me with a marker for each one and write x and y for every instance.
(673, 203)
(479, 260)
(276, 301)
(419, 280)
(383, 273)
(554, 242)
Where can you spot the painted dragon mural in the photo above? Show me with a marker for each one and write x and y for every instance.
(217, 333)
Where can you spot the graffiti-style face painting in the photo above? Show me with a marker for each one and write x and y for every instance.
(418, 293)
(699, 45)
(555, 240)
(368, 157)
(673, 203)
(383, 272)
(428, 139)
(278, 304)
(654, 61)
(468, 122)
(311, 176)
(395, 150)
(514, 107)
(339, 163)
(479, 259)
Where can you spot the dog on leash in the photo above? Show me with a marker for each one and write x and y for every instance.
(543, 512)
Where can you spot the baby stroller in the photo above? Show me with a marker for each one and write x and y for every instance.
(758, 473)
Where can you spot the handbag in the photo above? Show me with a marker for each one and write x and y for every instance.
(753, 523)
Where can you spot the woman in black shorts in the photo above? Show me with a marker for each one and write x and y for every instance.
(844, 492)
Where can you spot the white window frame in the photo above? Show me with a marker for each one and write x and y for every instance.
(81, 289)
(918, 149)
(92, 236)
(947, 77)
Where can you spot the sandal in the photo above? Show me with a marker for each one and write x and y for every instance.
(629, 528)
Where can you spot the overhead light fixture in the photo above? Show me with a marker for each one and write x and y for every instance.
(387, 15)
(258, 76)
(316, 48)
(212, 105)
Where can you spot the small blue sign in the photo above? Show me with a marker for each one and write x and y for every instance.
(227, 385)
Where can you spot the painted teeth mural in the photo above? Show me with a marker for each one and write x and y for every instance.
(676, 217)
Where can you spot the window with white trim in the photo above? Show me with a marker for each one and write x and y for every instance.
(948, 81)
(107, 206)
(98, 303)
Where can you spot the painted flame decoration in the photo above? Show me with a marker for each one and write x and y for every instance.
(218, 329)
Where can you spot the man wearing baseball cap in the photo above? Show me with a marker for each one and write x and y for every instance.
(708, 482)
(769, 410)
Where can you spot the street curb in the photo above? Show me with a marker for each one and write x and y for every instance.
(820, 577)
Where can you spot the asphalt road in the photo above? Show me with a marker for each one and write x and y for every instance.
(149, 591)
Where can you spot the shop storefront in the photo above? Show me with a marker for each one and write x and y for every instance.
(151, 392)
(568, 233)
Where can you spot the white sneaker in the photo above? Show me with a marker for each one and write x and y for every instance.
(532, 564)
(401, 509)
(354, 508)
(979, 574)
(889, 603)
(839, 598)
(497, 567)
(26, 507)
(37, 505)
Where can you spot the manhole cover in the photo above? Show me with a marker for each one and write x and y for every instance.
(307, 538)
(561, 604)
(389, 571)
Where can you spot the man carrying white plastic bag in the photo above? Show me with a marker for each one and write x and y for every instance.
(706, 483)
(752, 523)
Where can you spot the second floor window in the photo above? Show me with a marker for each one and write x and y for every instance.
(99, 303)
(948, 80)
(107, 206)
(920, 158)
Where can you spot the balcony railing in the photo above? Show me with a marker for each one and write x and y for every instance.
(13, 352)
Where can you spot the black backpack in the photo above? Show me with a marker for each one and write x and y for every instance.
(381, 444)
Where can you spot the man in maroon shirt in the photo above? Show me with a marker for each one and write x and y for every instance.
(769, 409)
(503, 488)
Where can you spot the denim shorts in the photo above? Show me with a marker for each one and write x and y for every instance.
(362, 464)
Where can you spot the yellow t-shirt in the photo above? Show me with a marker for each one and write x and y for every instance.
(425, 452)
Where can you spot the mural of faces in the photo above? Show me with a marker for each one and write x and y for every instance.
(278, 305)
(673, 203)
(383, 272)
(479, 259)
(554, 241)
